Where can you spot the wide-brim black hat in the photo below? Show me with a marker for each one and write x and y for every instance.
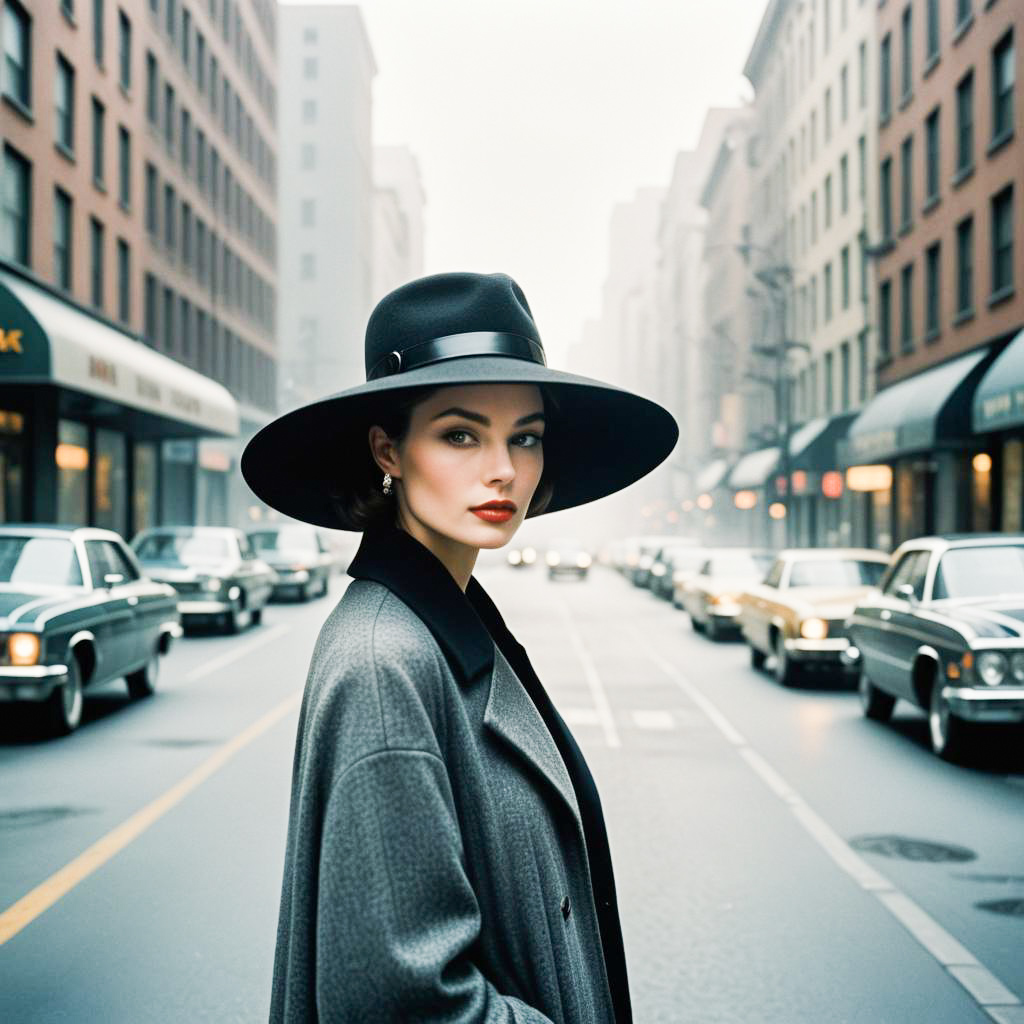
(447, 330)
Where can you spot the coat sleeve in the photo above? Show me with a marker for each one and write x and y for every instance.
(396, 915)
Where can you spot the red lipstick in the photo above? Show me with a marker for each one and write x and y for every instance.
(495, 511)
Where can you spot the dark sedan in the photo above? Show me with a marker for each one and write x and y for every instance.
(76, 612)
(946, 632)
(214, 569)
(300, 557)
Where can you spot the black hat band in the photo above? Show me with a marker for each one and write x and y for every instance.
(454, 346)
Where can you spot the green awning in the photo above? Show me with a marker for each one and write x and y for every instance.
(999, 400)
(813, 447)
(712, 475)
(753, 470)
(922, 412)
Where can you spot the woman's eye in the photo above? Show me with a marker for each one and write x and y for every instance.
(459, 438)
(527, 440)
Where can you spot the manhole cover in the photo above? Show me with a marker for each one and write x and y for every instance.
(182, 743)
(26, 817)
(906, 848)
(1010, 908)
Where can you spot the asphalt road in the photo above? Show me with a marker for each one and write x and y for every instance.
(778, 858)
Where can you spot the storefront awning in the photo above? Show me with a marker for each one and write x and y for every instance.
(999, 400)
(712, 475)
(917, 413)
(45, 340)
(754, 469)
(812, 447)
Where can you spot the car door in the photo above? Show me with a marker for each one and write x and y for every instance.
(255, 576)
(884, 646)
(149, 607)
(757, 607)
(115, 626)
(905, 638)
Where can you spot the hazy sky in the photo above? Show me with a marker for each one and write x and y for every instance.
(532, 118)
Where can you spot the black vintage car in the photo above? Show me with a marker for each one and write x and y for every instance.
(214, 569)
(300, 557)
(945, 631)
(76, 611)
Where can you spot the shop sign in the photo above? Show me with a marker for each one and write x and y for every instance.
(869, 478)
(10, 340)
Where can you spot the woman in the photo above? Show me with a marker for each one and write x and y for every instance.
(447, 857)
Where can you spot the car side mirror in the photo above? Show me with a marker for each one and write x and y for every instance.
(111, 579)
(906, 592)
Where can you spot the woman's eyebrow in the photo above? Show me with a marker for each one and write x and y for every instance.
(483, 420)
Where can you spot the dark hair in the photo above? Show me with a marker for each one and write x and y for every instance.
(363, 503)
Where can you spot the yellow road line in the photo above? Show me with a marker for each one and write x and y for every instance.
(42, 897)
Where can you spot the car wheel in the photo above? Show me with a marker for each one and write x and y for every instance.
(698, 626)
(787, 673)
(142, 682)
(323, 586)
(757, 658)
(257, 616)
(62, 710)
(236, 620)
(875, 703)
(947, 733)
(712, 632)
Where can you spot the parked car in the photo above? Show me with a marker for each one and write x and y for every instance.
(300, 557)
(798, 614)
(77, 612)
(946, 632)
(672, 562)
(711, 596)
(568, 558)
(647, 553)
(214, 569)
(521, 558)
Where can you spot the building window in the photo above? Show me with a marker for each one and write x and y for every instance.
(124, 35)
(64, 104)
(124, 161)
(310, 68)
(308, 213)
(186, 139)
(98, 32)
(152, 313)
(309, 35)
(1002, 243)
(96, 241)
(965, 124)
(168, 320)
(862, 166)
(62, 247)
(844, 376)
(862, 75)
(309, 111)
(932, 155)
(965, 268)
(201, 62)
(932, 282)
(152, 200)
(171, 21)
(830, 373)
(906, 183)
(828, 201)
(814, 217)
(170, 218)
(308, 269)
(186, 234)
(828, 114)
(169, 115)
(907, 41)
(827, 285)
(933, 29)
(844, 93)
(308, 156)
(885, 78)
(963, 12)
(863, 372)
(186, 38)
(844, 267)
(814, 303)
(1002, 88)
(152, 89)
(885, 197)
(17, 37)
(124, 282)
(15, 242)
(844, 184)
(907, 308)
(99, 117)
(885, 321)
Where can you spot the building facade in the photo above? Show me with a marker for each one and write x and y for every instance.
(326, 199)
(138, 249)
(398, 234)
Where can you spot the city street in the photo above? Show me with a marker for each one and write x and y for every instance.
(778, 858)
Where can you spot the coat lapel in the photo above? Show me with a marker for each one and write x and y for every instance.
(511, 715)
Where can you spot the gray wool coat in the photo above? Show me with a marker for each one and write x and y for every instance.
(436, 865)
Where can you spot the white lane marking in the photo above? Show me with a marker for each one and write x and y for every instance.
(661, 720)
(581, 716)
(237, 652)
(594, 684)
(999, 1002)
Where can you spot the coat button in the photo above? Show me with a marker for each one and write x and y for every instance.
(566, 908)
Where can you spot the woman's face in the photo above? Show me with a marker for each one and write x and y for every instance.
(469, 447)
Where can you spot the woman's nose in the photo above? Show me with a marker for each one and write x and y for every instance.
(499, 465)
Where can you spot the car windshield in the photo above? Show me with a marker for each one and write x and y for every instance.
(741, 564)
(685, 559)
(981, 572)
(47, 561)
(836, 572)
(183, 548)
(287, 539)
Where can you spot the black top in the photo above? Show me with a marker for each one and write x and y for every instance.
(468, 626)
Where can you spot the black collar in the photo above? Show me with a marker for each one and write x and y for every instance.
(459, 621)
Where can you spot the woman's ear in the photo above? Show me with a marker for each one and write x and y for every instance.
(384, 452)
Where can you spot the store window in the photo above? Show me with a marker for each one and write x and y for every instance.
(12, 458)
(145, 470)
(110, 482)
(1013, 486)
(72, 472)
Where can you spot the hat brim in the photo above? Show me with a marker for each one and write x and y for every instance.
(598, 440)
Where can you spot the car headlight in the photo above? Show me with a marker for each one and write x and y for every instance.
(514, 558)
(213, 583)
(234, 593)
(992, 667)
(554, 558)
(23, 648)
(1017, 667)
(646, 561)
(814, 629)
(584, 560)
(529, 556)
(724, 599)
(299, 575)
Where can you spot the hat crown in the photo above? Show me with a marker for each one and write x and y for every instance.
(442, 305)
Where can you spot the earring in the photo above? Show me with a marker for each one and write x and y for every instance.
(387, 483)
